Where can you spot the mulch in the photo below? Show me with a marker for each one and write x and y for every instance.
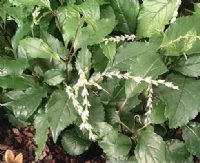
(21, 140)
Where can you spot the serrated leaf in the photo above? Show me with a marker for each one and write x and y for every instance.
(189, 67)
(84, 59)
(116, 145)
(102, 129)
(12, 67)
(41, 135)
(150, 148)
(179, 40)
(25, 105)
(61, 113)
(191, 136)
(69, 19)
(37, 48)
(157, 115)
(90, 35)
(181, 105)
(54, 77)
(154, 15)
(74, 142)
(176, 151)
(126, 13)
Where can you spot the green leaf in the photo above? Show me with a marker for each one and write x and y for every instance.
(178, 40)
(127, 54)
(27, 103)
(191, 136)
(102, 129)
(189, 67)
(99, 61)
(61, 113)
(154, 15)
(74, 142)
(84, 59)
(89, 9)
(54, 77)
(90, 35)
(36, 48)
(176, 151)
(16, 82)
(12, 67)
(126, 13)
(116, 145)
(157, 115)
(31, 3)
(181, 105)
(150, 147)
(55, 44)
(69, 20)
(97, 113)
(109, 50)
(41, 135)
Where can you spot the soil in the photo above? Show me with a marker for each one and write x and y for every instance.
(21, 140)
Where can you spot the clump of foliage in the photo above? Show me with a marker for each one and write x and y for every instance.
(121, 73)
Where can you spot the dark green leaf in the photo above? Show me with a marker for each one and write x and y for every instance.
(31, 3)
(61, 113)
(126, 14)
(109, 50)
(181, 105)
(150, 148)
(74, 142)
(27, 103)
(176, 151)
(41, 125)
(191, 136)
(116, 145)
(157, 115)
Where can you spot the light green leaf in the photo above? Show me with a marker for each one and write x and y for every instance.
(189, 67)
(37, 48)
(42, 130)
(154, 15)
(84, 59)
(61, 113)
(31, 3)
(54, 77)
(89, 9)
(126, 13)
(178, 40)
(116, 145)
(12, 67)
(26, 104)
(74, 142)
(157, 115)
(176, 151)
(89, 35)
(191, 136)
(150, 148)
(69, 19)
(102, 129)
(181, 105)
(16, 82)
(109, 50)
(55, 44)
(127, 53)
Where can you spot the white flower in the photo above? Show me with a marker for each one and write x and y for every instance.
(85, 126)
(137, 79)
